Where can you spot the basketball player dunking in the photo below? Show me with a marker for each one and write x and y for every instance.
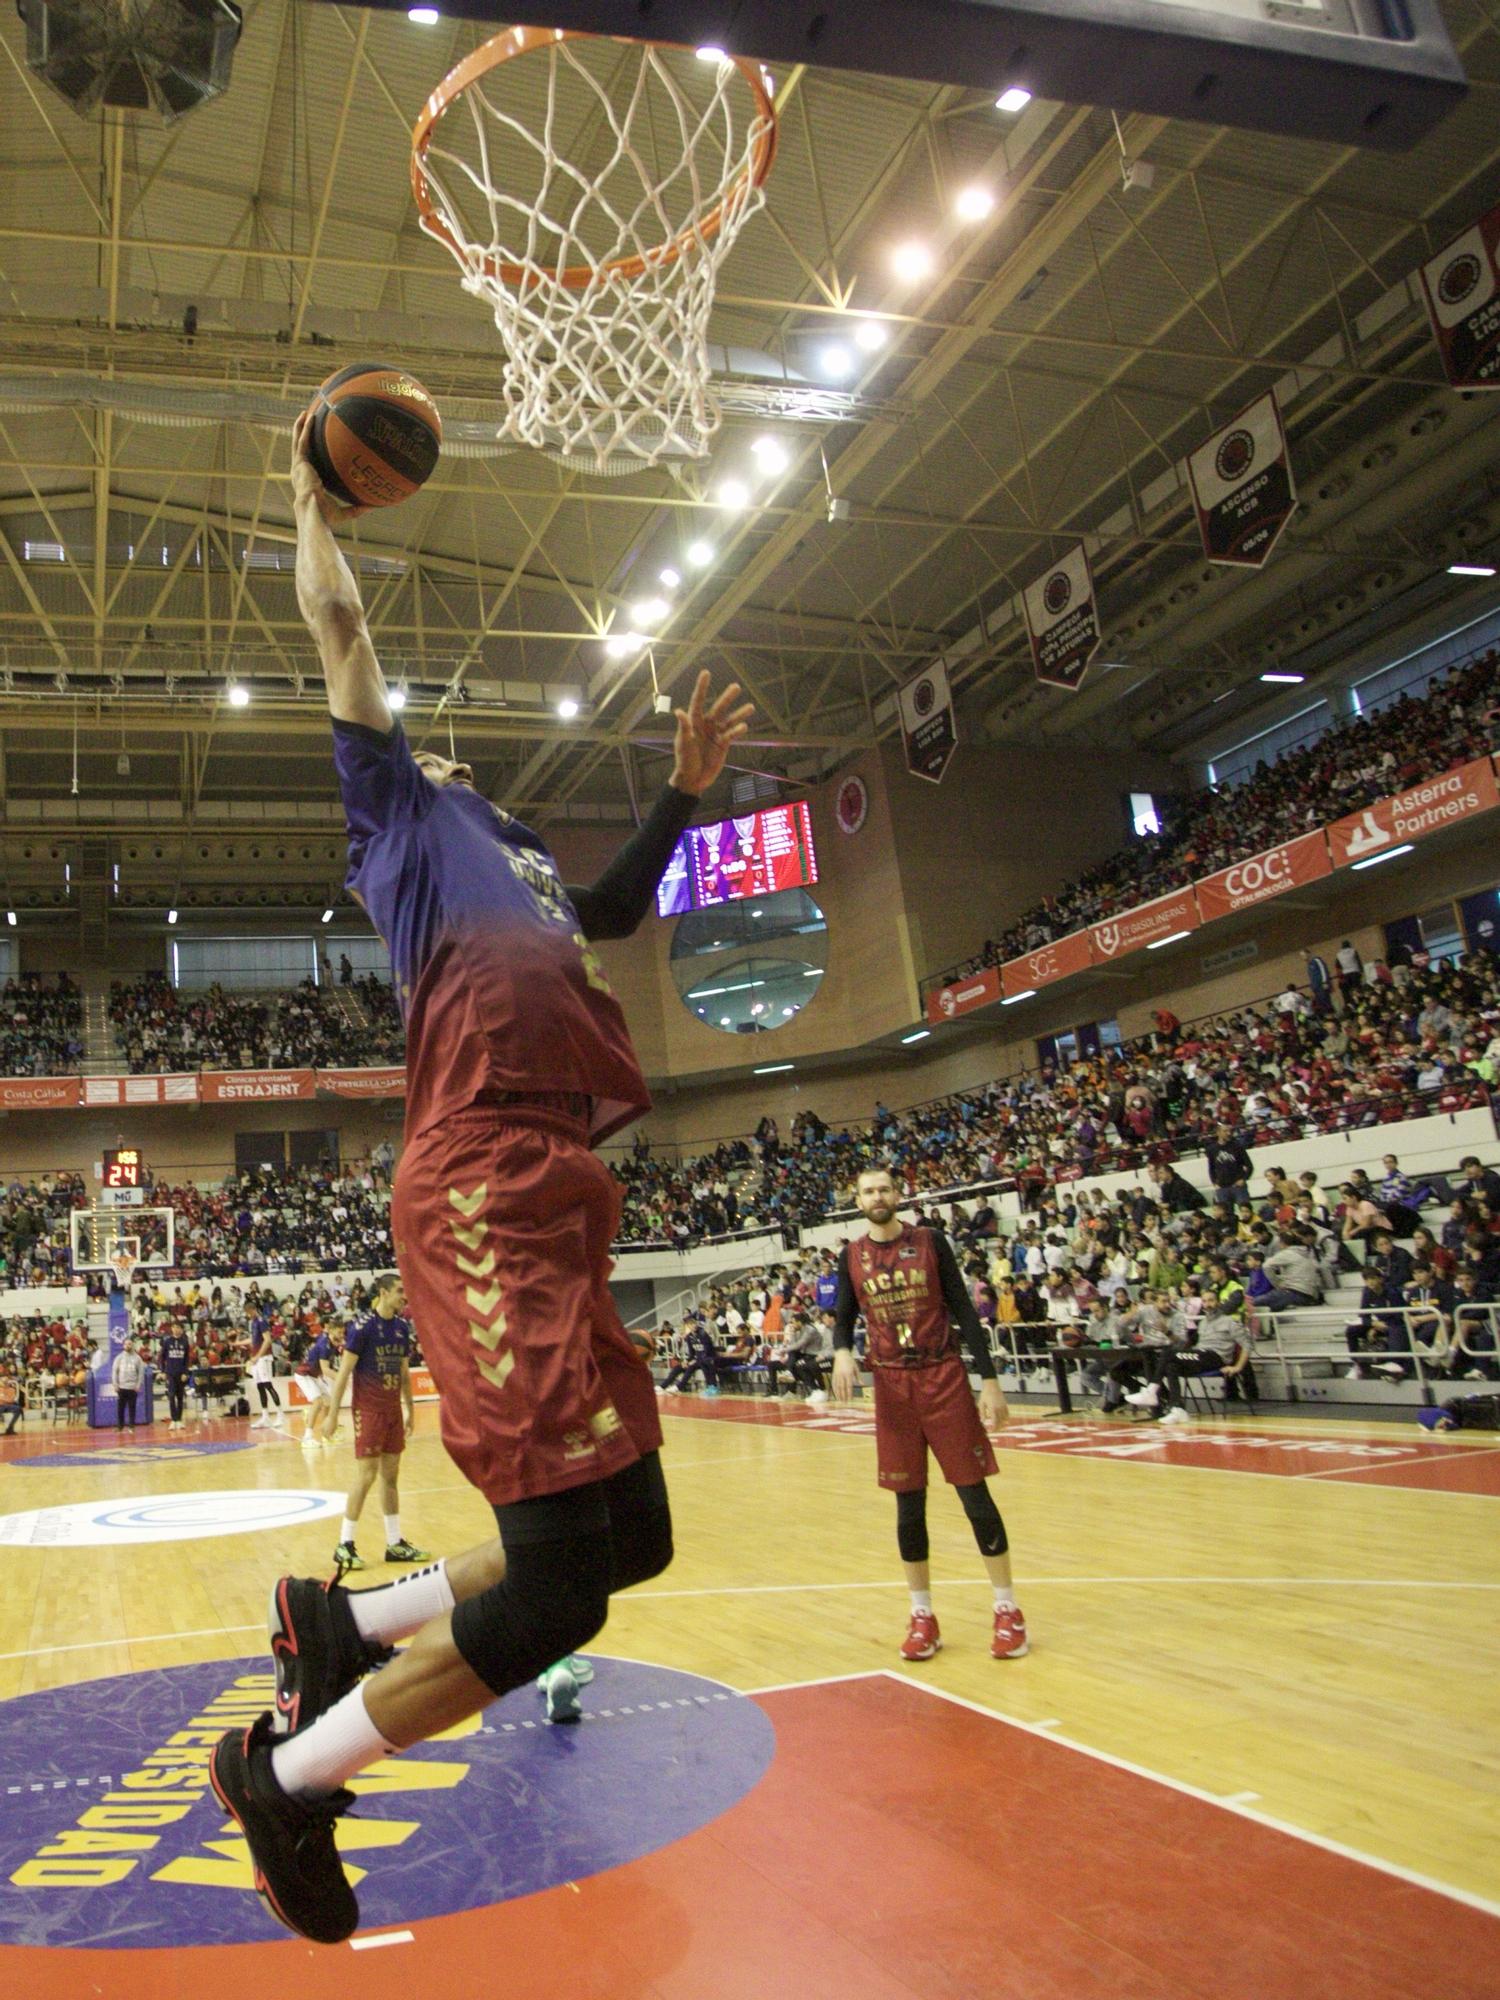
(518, 1062)
(907, 1284)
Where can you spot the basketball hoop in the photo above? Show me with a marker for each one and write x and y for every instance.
(122, 1261)
(593, 209)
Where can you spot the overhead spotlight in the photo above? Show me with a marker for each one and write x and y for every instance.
(396, 697)
(237, 695)
(870, 336)
(1012, 100)
(1011, 998)
(771, 455)
(670, 578)
(920, 1036)
(700, 554)
(1374, 860)
(567, 708)
(912, 262)
(1285, 680)
(620, 645)
(974, 204)
(10, 918)
(733, 495)
(711, 52)
(836, 361)
(1471, 569)
(326, 918)
(425, 17)
(171, 917)
(648, 613)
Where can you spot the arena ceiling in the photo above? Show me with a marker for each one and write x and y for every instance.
(165, 292)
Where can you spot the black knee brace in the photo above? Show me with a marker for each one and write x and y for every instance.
(911, 1525)
(555, 1593)
(984, 1519)
(640, 1523)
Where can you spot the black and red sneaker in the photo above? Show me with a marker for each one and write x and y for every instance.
(298, 1874)
(317, 1647)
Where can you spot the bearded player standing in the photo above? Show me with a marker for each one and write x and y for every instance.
(518, 1063)
(907, 1284)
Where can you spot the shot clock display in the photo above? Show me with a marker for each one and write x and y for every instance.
(124, 1168)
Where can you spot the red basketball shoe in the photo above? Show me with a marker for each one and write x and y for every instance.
(923, 1638)
(1010, 1640)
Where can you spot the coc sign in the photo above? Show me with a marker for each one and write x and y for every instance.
(1263, 876)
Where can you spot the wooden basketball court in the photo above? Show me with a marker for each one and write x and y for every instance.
(1250, 1752)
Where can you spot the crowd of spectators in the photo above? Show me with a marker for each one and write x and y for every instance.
(41, 1026)
(161, 1028)
(1348, 767)
(1371, 1047)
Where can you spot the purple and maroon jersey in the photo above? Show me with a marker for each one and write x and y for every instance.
(498, 985)
(380, 1347)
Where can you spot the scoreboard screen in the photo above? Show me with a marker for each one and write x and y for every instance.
(753, 855)
(124, 1168)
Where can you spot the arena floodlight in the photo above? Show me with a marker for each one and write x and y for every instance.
(167, 56)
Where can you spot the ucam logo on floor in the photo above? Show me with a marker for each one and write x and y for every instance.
(110, 1836)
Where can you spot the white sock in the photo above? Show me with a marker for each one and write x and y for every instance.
(397, 1610)
(318, 1759)
(921, 1600)
(1005, 1597)
(392, 1530)
(349, 1530)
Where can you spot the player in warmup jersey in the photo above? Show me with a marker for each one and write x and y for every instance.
(261, 1368)
(907, 1284)
(174, 1351)
(312, 1380)
(518, 1063)
(375, 1366)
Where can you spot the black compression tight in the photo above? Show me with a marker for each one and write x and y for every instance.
(977, 1503)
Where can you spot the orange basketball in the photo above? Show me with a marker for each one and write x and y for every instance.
(375, 435)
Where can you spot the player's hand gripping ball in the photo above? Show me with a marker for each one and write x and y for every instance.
(644, 1345)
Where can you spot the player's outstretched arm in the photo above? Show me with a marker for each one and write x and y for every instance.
(328, 598)
(615, 905)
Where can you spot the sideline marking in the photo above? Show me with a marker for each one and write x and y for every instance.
(1323, 1840)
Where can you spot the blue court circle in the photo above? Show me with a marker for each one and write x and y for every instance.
(455, 1825)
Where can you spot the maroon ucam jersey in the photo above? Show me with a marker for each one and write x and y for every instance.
(500, 988)
(911, 1293)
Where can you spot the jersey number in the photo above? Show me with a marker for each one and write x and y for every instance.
(592, 970)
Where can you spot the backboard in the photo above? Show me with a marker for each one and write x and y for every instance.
(1357, 72)
(99, 1237)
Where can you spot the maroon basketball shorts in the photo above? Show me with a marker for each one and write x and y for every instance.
(503, 1227)
(922, 1409)
(379, 1427)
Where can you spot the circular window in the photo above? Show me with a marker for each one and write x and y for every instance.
(749, 968)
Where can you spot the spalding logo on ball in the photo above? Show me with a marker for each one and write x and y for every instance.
(375, 435)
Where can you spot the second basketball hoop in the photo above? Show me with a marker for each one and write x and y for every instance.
(590, 189)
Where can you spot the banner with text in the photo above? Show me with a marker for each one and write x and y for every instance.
(927, 724)
(363, 1082)
(962, 996)
(1263, 876)
(1457, 795)
(1151, 923)
(1063, 621)
(1462, 288)
(1058, 960)
(252, 1086)
(1242, 486)
(38, 1093)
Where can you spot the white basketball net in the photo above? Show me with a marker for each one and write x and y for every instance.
(593, 207)
(123, 1263)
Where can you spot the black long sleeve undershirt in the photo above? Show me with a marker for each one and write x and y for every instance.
(956, 1297)
(616, 903)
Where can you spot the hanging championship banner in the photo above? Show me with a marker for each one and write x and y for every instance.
(928, 725)
(1063, 621)
(1462, 288)
(1242, 486)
